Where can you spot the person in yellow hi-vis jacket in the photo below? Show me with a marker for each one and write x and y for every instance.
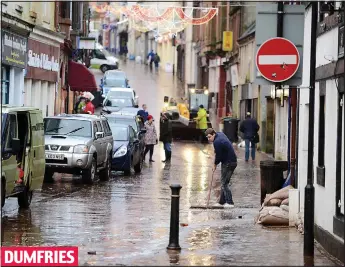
(201, 122)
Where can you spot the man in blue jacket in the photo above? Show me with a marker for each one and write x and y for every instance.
(225, 154)
(143, 113)
(249, 127)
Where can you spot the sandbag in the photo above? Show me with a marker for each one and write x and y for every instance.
(284, 207)
(265, 212)
(285, 202)
(274, 202)
(273, 220)
(281, 194)
(279, 212)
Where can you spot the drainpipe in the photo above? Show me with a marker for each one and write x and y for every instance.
(294, 179)
(293, 100)
(289, 132)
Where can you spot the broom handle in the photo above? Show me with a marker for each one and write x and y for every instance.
(209, 191)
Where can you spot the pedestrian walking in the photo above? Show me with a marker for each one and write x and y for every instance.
(249, 127)
(143, 113)
(201, 122)
(225, 154)
(166, 135)
(150, 137)
(156, 60)
(150, 57)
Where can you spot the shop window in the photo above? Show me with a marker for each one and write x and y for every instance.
(5, 84)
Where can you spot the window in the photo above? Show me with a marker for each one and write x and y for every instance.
(70, 127)
(132, 134)
(95, 128)
(106, 128)
(98, 54)
(326, 8)
(11, 130)
(5, 84)
(120, 132)
(99, 126)
(322, 111)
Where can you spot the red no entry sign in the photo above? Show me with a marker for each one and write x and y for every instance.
(277, 59)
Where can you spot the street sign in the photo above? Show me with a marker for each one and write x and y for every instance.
(277, 59)
(293, 30)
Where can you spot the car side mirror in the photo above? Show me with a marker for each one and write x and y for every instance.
(143, 131)
(15, 145)
(136, 141)
(136, 97)
(99, 135)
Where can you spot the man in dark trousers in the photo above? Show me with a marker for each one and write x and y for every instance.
(225, 154)
(249, 127)
(166, 135)
(143, 113)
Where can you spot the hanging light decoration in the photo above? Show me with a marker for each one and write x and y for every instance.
(147, 17)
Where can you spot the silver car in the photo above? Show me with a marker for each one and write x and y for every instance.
(78, 144)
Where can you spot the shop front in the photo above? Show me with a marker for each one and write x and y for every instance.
(13, 64)
(41, 81)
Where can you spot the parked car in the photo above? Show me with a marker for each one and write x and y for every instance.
(127, 154)
(78, 144)
(114, 79)
(123, 92)
(127, 111)
(135, 122)
(22, 150)
(114, 104)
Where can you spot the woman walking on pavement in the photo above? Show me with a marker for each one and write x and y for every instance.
(166, 135)
(150, 137)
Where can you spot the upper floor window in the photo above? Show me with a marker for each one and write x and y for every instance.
(326, 8)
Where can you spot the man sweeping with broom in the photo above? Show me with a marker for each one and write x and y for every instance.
(225, 154)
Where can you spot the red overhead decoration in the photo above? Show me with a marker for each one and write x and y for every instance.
(138, 11)
(196, 21)
(80, 78)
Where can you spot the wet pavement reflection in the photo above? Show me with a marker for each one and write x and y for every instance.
(125, 221)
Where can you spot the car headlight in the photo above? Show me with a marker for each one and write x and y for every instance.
(120, 152)
(80, 149)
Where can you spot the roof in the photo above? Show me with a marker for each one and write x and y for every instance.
(125, 116)
(9, 108)
(122, 89)
(248, 32)
(76, 116)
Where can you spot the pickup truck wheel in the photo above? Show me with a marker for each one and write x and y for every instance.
(104, 68)
(3, 193)
(104, 175)
(139, 165)
(90, 174)
(48, 176)
(24, 198)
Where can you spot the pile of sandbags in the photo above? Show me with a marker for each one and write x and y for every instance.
(275, 209)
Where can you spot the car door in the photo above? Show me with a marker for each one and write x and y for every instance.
(8, 159)
(98, 144)
(141, 136)
(97, 60)
(135, 145)
(102, 140)
(108, 137)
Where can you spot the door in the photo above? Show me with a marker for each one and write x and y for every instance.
(108, 138)
(8, 159)
(270, 126)
(141, 136)
(135, 145)
(38, 161)
(98, 144)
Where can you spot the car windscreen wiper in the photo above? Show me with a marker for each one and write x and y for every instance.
(75, 130)
(54, 129)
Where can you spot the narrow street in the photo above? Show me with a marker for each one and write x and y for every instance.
(126, 220)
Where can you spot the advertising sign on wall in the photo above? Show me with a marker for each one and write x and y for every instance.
(13, 49)
(43, 61)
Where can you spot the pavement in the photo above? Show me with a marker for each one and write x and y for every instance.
(125, 221)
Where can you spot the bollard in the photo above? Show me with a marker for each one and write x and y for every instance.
(174, 217)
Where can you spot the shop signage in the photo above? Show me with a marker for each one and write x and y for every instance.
(43, 61)
(14, 49)
(227, 41)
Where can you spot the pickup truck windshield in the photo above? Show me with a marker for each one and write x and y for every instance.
(70, 127)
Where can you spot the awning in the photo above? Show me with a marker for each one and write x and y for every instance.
(80, 78)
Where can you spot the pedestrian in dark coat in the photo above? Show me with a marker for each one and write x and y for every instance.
(249, 127)
(166, 135)
(143, 113)
(226, 155)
